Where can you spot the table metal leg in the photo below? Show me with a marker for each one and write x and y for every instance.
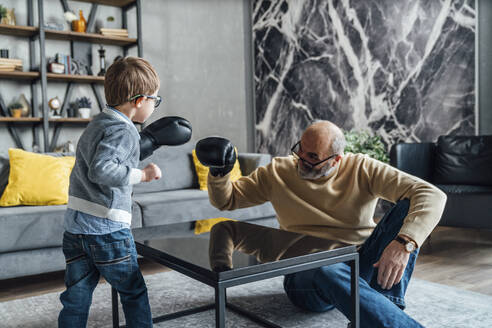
(114, 304)
(220, 302)
(354, 291)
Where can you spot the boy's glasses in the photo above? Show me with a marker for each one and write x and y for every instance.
(157, 99)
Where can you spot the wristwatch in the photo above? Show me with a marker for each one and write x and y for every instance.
(409, 245)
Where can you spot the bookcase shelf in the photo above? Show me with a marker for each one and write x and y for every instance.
(18, 30)
(113, 3)
(28, 31)
(90, 37)
(21, 119)
(75, 120)
(36, 74)
(17, 75)
(70, 120)
(74, 78)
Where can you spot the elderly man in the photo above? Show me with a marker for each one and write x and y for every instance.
(321, 191)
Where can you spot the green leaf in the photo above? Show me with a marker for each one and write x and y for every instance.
(365, 143)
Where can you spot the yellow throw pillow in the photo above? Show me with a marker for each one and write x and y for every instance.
(37, 179)
(202, 171)
(202, 226)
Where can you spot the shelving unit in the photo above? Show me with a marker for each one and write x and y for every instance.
(74, 78)
(19, 75)
(21, 119)
(16, 30)
(40, 34)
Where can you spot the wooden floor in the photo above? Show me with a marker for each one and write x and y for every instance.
(454, 257)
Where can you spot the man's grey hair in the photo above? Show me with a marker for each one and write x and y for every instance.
(339, 143)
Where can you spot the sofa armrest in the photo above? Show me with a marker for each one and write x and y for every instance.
(414, 158)
(250, 161)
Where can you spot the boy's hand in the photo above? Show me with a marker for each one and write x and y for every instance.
(151, 172)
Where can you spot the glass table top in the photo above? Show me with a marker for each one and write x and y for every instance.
(240, 245)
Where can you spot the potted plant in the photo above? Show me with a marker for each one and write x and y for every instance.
(15, 109)
(363, 142)
(3, 12)
(84, 107)
(7, 16)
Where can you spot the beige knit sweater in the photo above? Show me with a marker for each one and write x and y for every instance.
(339, 206)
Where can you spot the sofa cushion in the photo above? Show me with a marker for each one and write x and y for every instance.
(37, 179)
(464, 160)
(465, 189)
(36, 261)
(5, 167)
(177, 168)
(186, 205)
(31, 227)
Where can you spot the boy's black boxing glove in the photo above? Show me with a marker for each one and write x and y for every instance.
(217, 153)
(169, 130)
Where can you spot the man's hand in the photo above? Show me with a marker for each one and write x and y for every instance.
(151, 172)
(391, 264)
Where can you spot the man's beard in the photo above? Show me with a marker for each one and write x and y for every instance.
(313, 174)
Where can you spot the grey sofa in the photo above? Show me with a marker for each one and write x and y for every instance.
(31, 236)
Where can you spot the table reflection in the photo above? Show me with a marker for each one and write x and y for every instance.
(265, 244)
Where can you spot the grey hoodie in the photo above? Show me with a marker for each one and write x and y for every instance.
(105, 168)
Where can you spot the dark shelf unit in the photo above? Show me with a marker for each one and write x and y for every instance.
(33, 76)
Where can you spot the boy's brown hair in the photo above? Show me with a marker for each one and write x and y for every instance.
(128, 77)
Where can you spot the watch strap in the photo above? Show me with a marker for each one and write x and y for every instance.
(401, 240)
(405, 244)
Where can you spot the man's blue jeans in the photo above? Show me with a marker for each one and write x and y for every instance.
(325, 288)
(115, 258)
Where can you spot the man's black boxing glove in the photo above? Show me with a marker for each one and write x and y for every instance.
(217, 153)
(169, 130)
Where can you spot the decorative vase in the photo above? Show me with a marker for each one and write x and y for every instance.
(79, 25)
(84, 112)
(16, 112)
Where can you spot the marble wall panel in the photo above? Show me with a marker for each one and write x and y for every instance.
(403, 69)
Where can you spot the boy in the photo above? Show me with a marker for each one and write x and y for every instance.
(97, 239)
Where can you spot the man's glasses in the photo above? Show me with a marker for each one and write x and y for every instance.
(157, 99)
(295, 152)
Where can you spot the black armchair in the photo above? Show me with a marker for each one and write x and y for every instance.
(461, 166)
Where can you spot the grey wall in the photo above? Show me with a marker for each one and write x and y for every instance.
(484, 71)
(198, 48)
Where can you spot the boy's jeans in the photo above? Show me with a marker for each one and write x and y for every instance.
(115, 258)
(325, 288)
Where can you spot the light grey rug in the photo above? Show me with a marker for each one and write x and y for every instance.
(431, 304)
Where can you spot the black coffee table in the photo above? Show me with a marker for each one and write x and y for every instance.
(189, 256)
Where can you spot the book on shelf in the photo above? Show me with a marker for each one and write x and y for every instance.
(10, 64)
(122, 32)
(61, 59)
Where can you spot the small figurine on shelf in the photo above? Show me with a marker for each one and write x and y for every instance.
(84, 105)
(67, 147)
(15, 109)
(26, 107)
(102, 61)
(79, 25)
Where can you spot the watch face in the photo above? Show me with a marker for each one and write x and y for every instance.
(410, 247)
